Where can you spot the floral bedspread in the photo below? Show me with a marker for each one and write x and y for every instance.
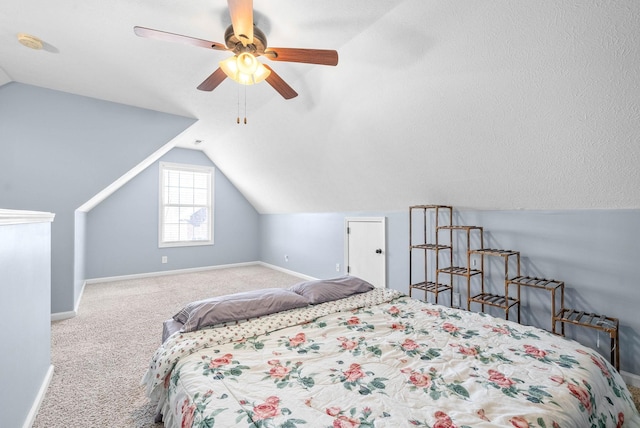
(382, 359)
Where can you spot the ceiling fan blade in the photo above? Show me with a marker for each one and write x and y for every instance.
(171, 37)
(280, 85)
(241, 12)
(212, 82)
(309, 56)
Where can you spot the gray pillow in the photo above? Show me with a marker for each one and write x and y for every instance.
(326, 290)
(239, 306)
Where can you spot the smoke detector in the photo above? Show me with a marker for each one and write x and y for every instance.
(30, 41)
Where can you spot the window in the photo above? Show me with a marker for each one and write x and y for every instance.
(186, 194)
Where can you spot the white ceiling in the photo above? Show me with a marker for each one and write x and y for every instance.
(488, 104)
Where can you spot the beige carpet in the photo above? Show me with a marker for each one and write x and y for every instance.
(636, 395)
(101, 355)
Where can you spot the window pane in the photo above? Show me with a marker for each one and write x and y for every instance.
(171, 232)
(201, 181)
(185, 230)
(172, 178)
(185, 214)
(186, 196)
(186, 179)
(201, 233)
(200, 197)
(172, 215)
(172, 195)
(199, 217)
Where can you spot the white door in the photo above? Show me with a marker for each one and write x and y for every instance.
(365, 249)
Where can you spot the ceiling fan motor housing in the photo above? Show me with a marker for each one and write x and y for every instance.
(256, 48)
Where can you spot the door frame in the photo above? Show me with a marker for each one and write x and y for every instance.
(383, 222)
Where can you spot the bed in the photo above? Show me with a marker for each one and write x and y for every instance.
(350, 355)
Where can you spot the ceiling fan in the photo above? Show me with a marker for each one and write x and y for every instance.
(247, 42)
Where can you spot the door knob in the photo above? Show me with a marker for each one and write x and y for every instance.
(379, 251)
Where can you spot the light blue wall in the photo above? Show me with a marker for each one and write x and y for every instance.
(314, 243)
(25, 271)
(57, 150)
(122, 231)
(595, 252)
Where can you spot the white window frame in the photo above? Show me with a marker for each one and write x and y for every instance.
(162, 204)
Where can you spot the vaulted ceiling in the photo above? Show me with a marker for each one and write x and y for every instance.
(489, 104)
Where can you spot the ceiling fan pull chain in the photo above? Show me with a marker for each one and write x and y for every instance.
(245, 104)
(238, 92)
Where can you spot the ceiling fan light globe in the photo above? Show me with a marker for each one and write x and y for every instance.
(234, 68)
(261, 73)
(245, 79)
(247, 63)
(230, 67)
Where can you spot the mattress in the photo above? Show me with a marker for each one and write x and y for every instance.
(386, 360)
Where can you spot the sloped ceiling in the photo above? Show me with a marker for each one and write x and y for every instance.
(479, 104)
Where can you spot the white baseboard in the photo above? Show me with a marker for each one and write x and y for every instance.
(59, 316)
(33, 412)
(77, 304)
(290, 272)
(165, 272)
(631, 379)
(190, 270)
